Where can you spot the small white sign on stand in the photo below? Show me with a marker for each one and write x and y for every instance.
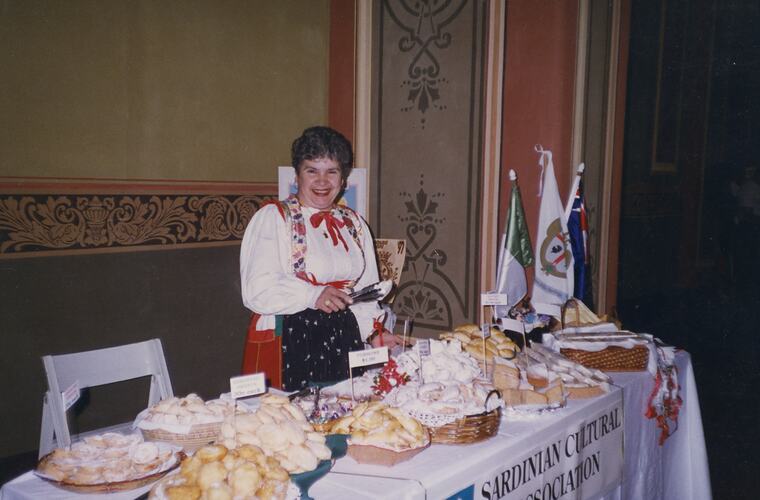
(365, 357)
(423, 347)
(244, 386)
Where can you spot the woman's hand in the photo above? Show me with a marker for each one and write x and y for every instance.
(389, 340)
(332, 300)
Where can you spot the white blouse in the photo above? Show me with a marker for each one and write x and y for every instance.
(268, 284)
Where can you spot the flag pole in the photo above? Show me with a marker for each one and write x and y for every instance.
(501, 275)
(574, 190)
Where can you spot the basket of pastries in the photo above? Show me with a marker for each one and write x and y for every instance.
(107, 463)
(381, 435)
(188, 422)
(469, 428)
(496, 345)
(619, 351)
(446, 392)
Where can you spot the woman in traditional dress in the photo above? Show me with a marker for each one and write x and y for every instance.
(298, 260)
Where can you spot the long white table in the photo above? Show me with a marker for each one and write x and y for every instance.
(644, 470)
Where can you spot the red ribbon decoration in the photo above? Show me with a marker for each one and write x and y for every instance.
(333, 226)
(671, 406)
(378, 326)
(339, 284)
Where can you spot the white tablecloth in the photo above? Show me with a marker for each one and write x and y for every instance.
(676, 470)
(679, 468)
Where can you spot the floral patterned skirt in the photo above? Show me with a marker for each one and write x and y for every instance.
(315, 347)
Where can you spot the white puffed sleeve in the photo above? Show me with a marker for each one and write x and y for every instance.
(366, 312)
(267, 283)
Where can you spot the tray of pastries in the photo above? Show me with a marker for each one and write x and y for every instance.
(108, 462)
(382, 435)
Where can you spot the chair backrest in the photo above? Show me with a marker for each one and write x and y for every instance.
(94, 368)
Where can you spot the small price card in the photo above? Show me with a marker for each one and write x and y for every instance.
(485, 329)
(423, 345)
(493, 299)
(512, 325)
(367, 357)
(71, 395)
(247, 385)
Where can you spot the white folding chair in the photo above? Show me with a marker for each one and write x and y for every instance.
(93, 368)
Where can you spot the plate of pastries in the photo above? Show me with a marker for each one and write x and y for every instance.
(108, 462)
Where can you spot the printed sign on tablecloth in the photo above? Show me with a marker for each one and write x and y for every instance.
(584, 461)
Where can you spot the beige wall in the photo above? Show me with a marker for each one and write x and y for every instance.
(159, 89)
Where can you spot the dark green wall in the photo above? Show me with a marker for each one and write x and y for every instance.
(190, 299)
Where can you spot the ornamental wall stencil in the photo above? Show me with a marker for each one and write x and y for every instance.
(424, 296)
(424, 21)
(46, 223)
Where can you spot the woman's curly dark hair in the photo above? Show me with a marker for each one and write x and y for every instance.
(317, 143)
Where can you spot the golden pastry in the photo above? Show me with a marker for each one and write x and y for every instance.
(245, 480)
(210, 474)
(183, 492)
(190, 467)
(218, 492)
(274, 399)
(211, 453)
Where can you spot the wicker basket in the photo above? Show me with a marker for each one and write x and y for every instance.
(199, 435)
(469, 429)
(611, 359)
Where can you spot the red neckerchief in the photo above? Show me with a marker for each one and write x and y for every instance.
(333, 226)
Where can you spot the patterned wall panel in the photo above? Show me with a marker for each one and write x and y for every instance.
(427, 145)
(45, 218)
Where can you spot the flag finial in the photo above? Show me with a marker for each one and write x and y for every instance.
(581, 168)
(512, 175)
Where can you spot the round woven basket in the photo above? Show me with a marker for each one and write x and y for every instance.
(469, 429)
(199, 435)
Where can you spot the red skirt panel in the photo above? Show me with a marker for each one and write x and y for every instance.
(263, 353)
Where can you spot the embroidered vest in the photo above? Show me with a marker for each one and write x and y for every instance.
(290, 209)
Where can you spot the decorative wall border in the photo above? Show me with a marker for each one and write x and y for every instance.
(50, 216)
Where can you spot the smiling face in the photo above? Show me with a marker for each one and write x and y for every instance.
(319, 183)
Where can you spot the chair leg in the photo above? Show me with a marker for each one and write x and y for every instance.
(47, 432)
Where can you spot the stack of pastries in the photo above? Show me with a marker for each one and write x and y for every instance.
(190, 410)
(471, 337)
(377, 424)
(217, 473)
(280, 429)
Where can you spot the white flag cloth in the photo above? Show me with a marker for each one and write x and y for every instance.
(553, 283)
